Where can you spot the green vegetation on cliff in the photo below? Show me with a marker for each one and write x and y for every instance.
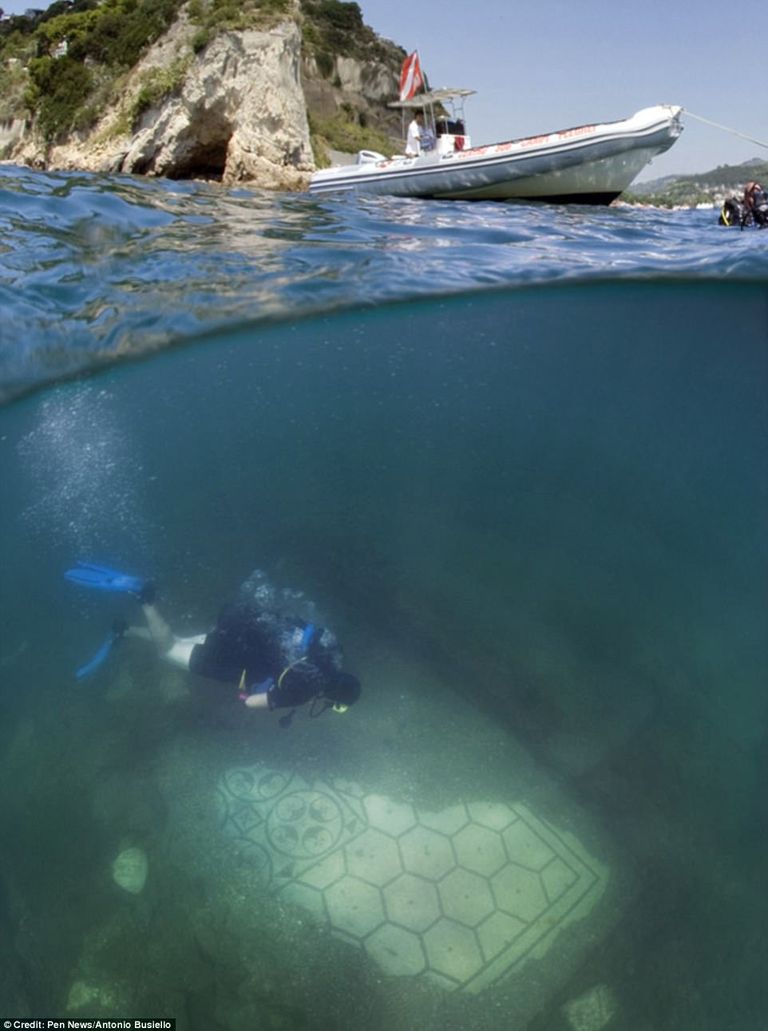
(333, 28)
(72, 51)
(344, 133)
(214, 16)
(63, 67)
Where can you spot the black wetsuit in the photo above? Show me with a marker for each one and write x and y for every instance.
(286, 657)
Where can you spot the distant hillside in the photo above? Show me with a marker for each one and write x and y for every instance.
(700, 188)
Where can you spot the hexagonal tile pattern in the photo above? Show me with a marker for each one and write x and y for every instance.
(373, 857)
(466, 897)
(498, 932)
(494, 815)
(453, 950)
(480, 849)
(354, 907)
(519, 892)
(447, 821)
(396, 950)
(389, 816)
(326, 872)
(427, 853)
(462, 897)
(412, 902)
(525, 846)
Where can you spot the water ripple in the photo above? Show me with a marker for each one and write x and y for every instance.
(95, 268)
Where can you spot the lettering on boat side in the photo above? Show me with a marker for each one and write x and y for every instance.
(582, 130)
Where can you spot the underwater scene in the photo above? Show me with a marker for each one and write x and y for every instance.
(506, 466)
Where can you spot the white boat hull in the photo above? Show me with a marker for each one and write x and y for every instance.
(590, 164)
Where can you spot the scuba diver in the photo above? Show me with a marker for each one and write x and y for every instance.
(732, 212)
(273, 657)
(749, 210)
(756, 203)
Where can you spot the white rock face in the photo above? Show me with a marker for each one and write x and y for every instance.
(373, 81)
(239, 115)
(11, 131)
(129, 870)
(241, 109)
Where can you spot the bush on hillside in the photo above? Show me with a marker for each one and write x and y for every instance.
(56, 92)
(338, 28)
(234, 16)
(156, 86)
(343, 132)
(113, 35)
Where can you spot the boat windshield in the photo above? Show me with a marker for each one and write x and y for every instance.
(443, 111)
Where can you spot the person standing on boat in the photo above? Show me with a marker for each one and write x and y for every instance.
(415, 132)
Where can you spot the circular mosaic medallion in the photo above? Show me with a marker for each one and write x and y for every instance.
(255, 785)
(305, 824)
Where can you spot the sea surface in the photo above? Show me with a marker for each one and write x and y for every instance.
(514, 454)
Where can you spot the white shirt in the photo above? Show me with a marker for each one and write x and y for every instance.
(413, 142)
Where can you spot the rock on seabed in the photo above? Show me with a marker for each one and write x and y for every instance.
(129, 870)
(593, 1010)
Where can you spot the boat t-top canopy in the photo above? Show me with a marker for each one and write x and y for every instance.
(433, 96)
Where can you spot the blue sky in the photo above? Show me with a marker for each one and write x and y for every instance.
(544, 66)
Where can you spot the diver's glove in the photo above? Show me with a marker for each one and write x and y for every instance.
(264, 687)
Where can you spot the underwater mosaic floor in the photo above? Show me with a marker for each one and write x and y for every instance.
(462, 897)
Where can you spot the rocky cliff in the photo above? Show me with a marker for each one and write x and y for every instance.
(238, 110)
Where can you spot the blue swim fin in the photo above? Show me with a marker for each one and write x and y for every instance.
(105, 579)
(101, 655)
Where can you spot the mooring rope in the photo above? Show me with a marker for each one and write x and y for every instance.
(725, 128)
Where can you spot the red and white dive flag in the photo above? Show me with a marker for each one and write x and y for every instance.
(411, 79)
